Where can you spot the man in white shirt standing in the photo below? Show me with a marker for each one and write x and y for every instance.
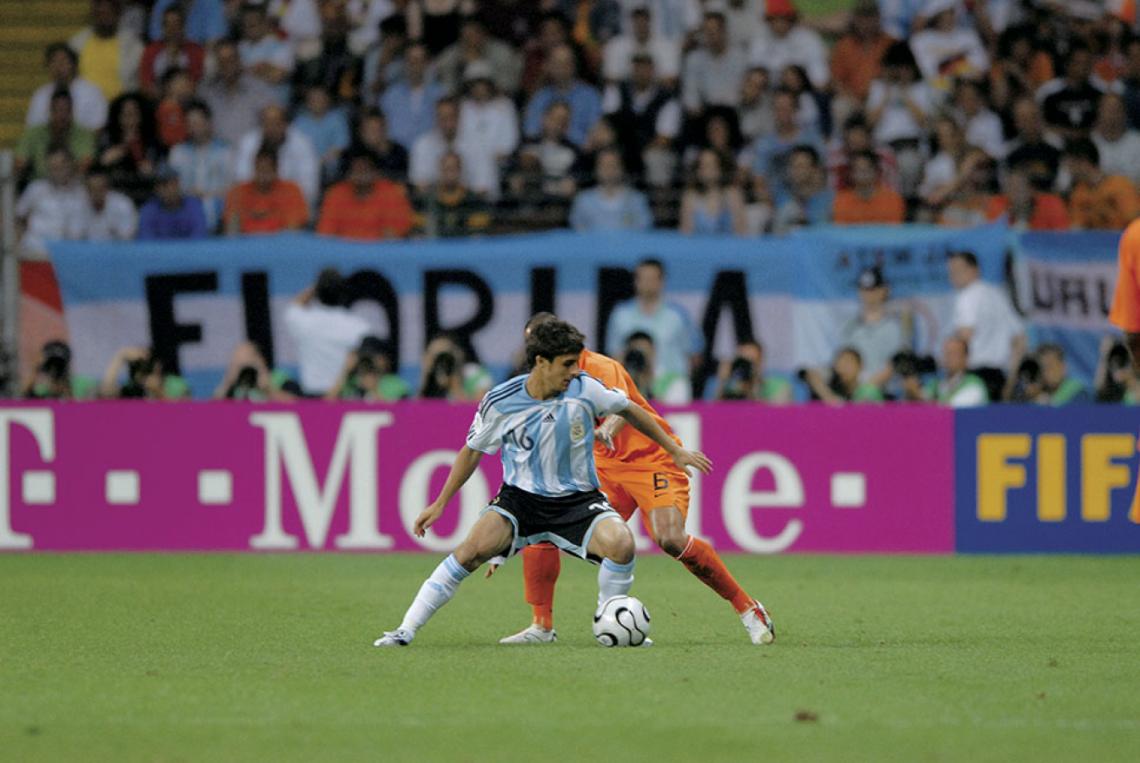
(480, 170)
(87, 101)
(108, 215)
(48, 204)
(619, 51)
(985, 320)
(784, 42)
(324, 331)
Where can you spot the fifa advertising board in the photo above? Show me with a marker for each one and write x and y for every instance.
(342, 477)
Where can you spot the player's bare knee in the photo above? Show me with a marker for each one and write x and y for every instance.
(621, 546)
(673, 542)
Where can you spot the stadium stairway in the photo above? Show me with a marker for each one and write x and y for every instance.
(26, 28)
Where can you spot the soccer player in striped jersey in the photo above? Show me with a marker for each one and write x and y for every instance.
(635, 473)
(544, 424)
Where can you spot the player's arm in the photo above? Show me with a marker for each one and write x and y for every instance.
(644, 423)
(465, 464)
(1133, 341)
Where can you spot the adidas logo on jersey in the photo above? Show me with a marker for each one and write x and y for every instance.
(548, 418)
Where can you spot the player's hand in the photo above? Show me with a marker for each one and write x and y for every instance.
(426, 519)
(490, 570)
(603, 435)
(694, 458)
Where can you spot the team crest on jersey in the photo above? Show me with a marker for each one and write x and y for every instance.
(577, 431)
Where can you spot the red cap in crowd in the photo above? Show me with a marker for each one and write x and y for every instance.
(776, 8)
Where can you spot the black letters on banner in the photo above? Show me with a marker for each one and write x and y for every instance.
(166, 335)
(543, 284)
(255, 303)
(434, 280)
(614, 285)
(370, 285)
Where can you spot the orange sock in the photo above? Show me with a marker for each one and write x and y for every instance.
(541, 565)
(703, 561)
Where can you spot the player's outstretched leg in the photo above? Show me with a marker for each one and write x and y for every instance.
(702, 560)
(542, 563)
(491, 535)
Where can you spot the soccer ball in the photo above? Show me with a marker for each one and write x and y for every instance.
(621, 621)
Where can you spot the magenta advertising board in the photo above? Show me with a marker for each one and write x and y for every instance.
(314, 476)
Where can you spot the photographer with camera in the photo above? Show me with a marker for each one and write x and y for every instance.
(957, 387)
(878, 332)
(911, 370)
(135, 373)
(368, 375)
(640, 359)
(249, 377)
(52, 378)
(843, 385)
(446, 373)
(1115, 380)
(743, 377)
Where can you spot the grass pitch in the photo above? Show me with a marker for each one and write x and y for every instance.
(244, 657)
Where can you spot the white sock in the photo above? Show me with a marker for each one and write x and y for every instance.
(614, 579)
(436, 591)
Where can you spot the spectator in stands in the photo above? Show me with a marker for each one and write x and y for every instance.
(204, 163)
(812, 114)
(171, 214)
(335, 67)
(553, 33)
(205, 20)
(368, 374)
(1058, 388)
(108, 56)
(856, 139)
(770, 154)
(1115, 381)
(612, 204)
(410, 102)
(476, 46)
(51, 377)
(323, 331)
(983, 126)
(170, 116)
(372, 135)
(759, 212)
(677, 341)
(956, 386)
(129, 148)
(1026, 207)
(449, 209)
(756, 111)
(297, 160)
(563, 85)
(1098, 201)
(60, 130)
(744, 378)
(545, 166)
(446, 372)
(481, 172)
(265, 204)
(326, 127)
(236, 98)
(719, 132)
(941, 171)
(783, 42)
(869, 200)
(879, 330)
(711, 205)
(88, 104)
(1117, 143)
(1070, 104)
(640, 40)
(899, 105)
(713, 71)
(1034, 148)
(138, 373)
(856, 59)
(384, 61)
(966, 201)
(804, 198)
(487, 119)
(842, 384)
(365, 206)
(1019, 69)
(647, 119)
(47, 205)
(171, 51)
(107, 215)
(639, 356)
(944, 49)
(985, 320)
(263, 54)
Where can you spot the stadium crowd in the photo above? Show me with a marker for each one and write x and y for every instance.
(380, 119)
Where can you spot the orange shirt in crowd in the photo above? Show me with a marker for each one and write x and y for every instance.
(884, 206)
(384, 213)
(1049, 211)
(171, 118)
(1109, 205)
(1125, 313)
(282, 208)
(854, 64)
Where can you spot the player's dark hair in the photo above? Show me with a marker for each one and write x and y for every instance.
(553, 338)
(537, 318)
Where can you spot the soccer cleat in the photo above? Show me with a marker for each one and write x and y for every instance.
(398, 637)
(759, 624)
(532, 634)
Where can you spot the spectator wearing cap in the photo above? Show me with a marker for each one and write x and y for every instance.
(235, 97)
(784, 42)
(488, 121)
(1118, 144)
(364, 206)
(170, 51)
(449, 209)
(204, 163)
(409, 103)
(60, 130)
(1098, 201)
(107, 215)
(51, 377)
(171, 214)
(480, 170)
(899, 105)
(804, 199)
(879, 330)
(713, 71)
(108, 55)
(612, 204)
(297, 160)
(944, 49)
(89, 107)
(869, 200)
(265, 204)
(985, 320)
(323, 331)
(326, 127)
(475, 46)
(1069, 104)
(769, 154)
(856, 58)
(983, 127)
(855, 139)
(1026, 207)
(1034, 148)
(562, 84)
(617, 57)
(372, 135)
(47, 205)
(646, 117)
(263, 54)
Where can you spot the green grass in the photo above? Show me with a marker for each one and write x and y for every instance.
(243, 657)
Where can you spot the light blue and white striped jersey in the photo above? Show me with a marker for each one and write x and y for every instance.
(548, 445)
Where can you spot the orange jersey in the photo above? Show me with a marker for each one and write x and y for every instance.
(630, 446)
(1125, 313)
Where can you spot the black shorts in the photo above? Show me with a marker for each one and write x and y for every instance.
(568, 521)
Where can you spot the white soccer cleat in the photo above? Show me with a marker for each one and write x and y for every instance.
(532, 634)
(398, 637)
(759, 624)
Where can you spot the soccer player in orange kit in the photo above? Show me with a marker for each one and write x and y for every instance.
(635, 473)
(1125, 313)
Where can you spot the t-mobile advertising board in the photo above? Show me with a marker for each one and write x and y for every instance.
(232, 476)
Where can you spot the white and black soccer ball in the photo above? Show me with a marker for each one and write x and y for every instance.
(621, 621)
